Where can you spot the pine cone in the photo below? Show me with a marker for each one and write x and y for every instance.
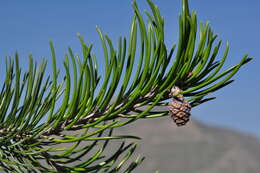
(180, 111)
(179, 108)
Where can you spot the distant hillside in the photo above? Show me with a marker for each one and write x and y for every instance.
(194, 148)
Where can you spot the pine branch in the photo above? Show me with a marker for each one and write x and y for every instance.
(33, 125)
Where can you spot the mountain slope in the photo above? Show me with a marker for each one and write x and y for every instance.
(194, 148)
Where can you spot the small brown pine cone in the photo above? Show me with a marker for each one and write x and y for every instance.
(180, 111)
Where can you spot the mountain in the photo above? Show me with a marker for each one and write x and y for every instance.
(194, 148)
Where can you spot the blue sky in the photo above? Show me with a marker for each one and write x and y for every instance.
(27, 26)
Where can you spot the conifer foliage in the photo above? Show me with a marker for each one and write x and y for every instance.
(53, 125)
